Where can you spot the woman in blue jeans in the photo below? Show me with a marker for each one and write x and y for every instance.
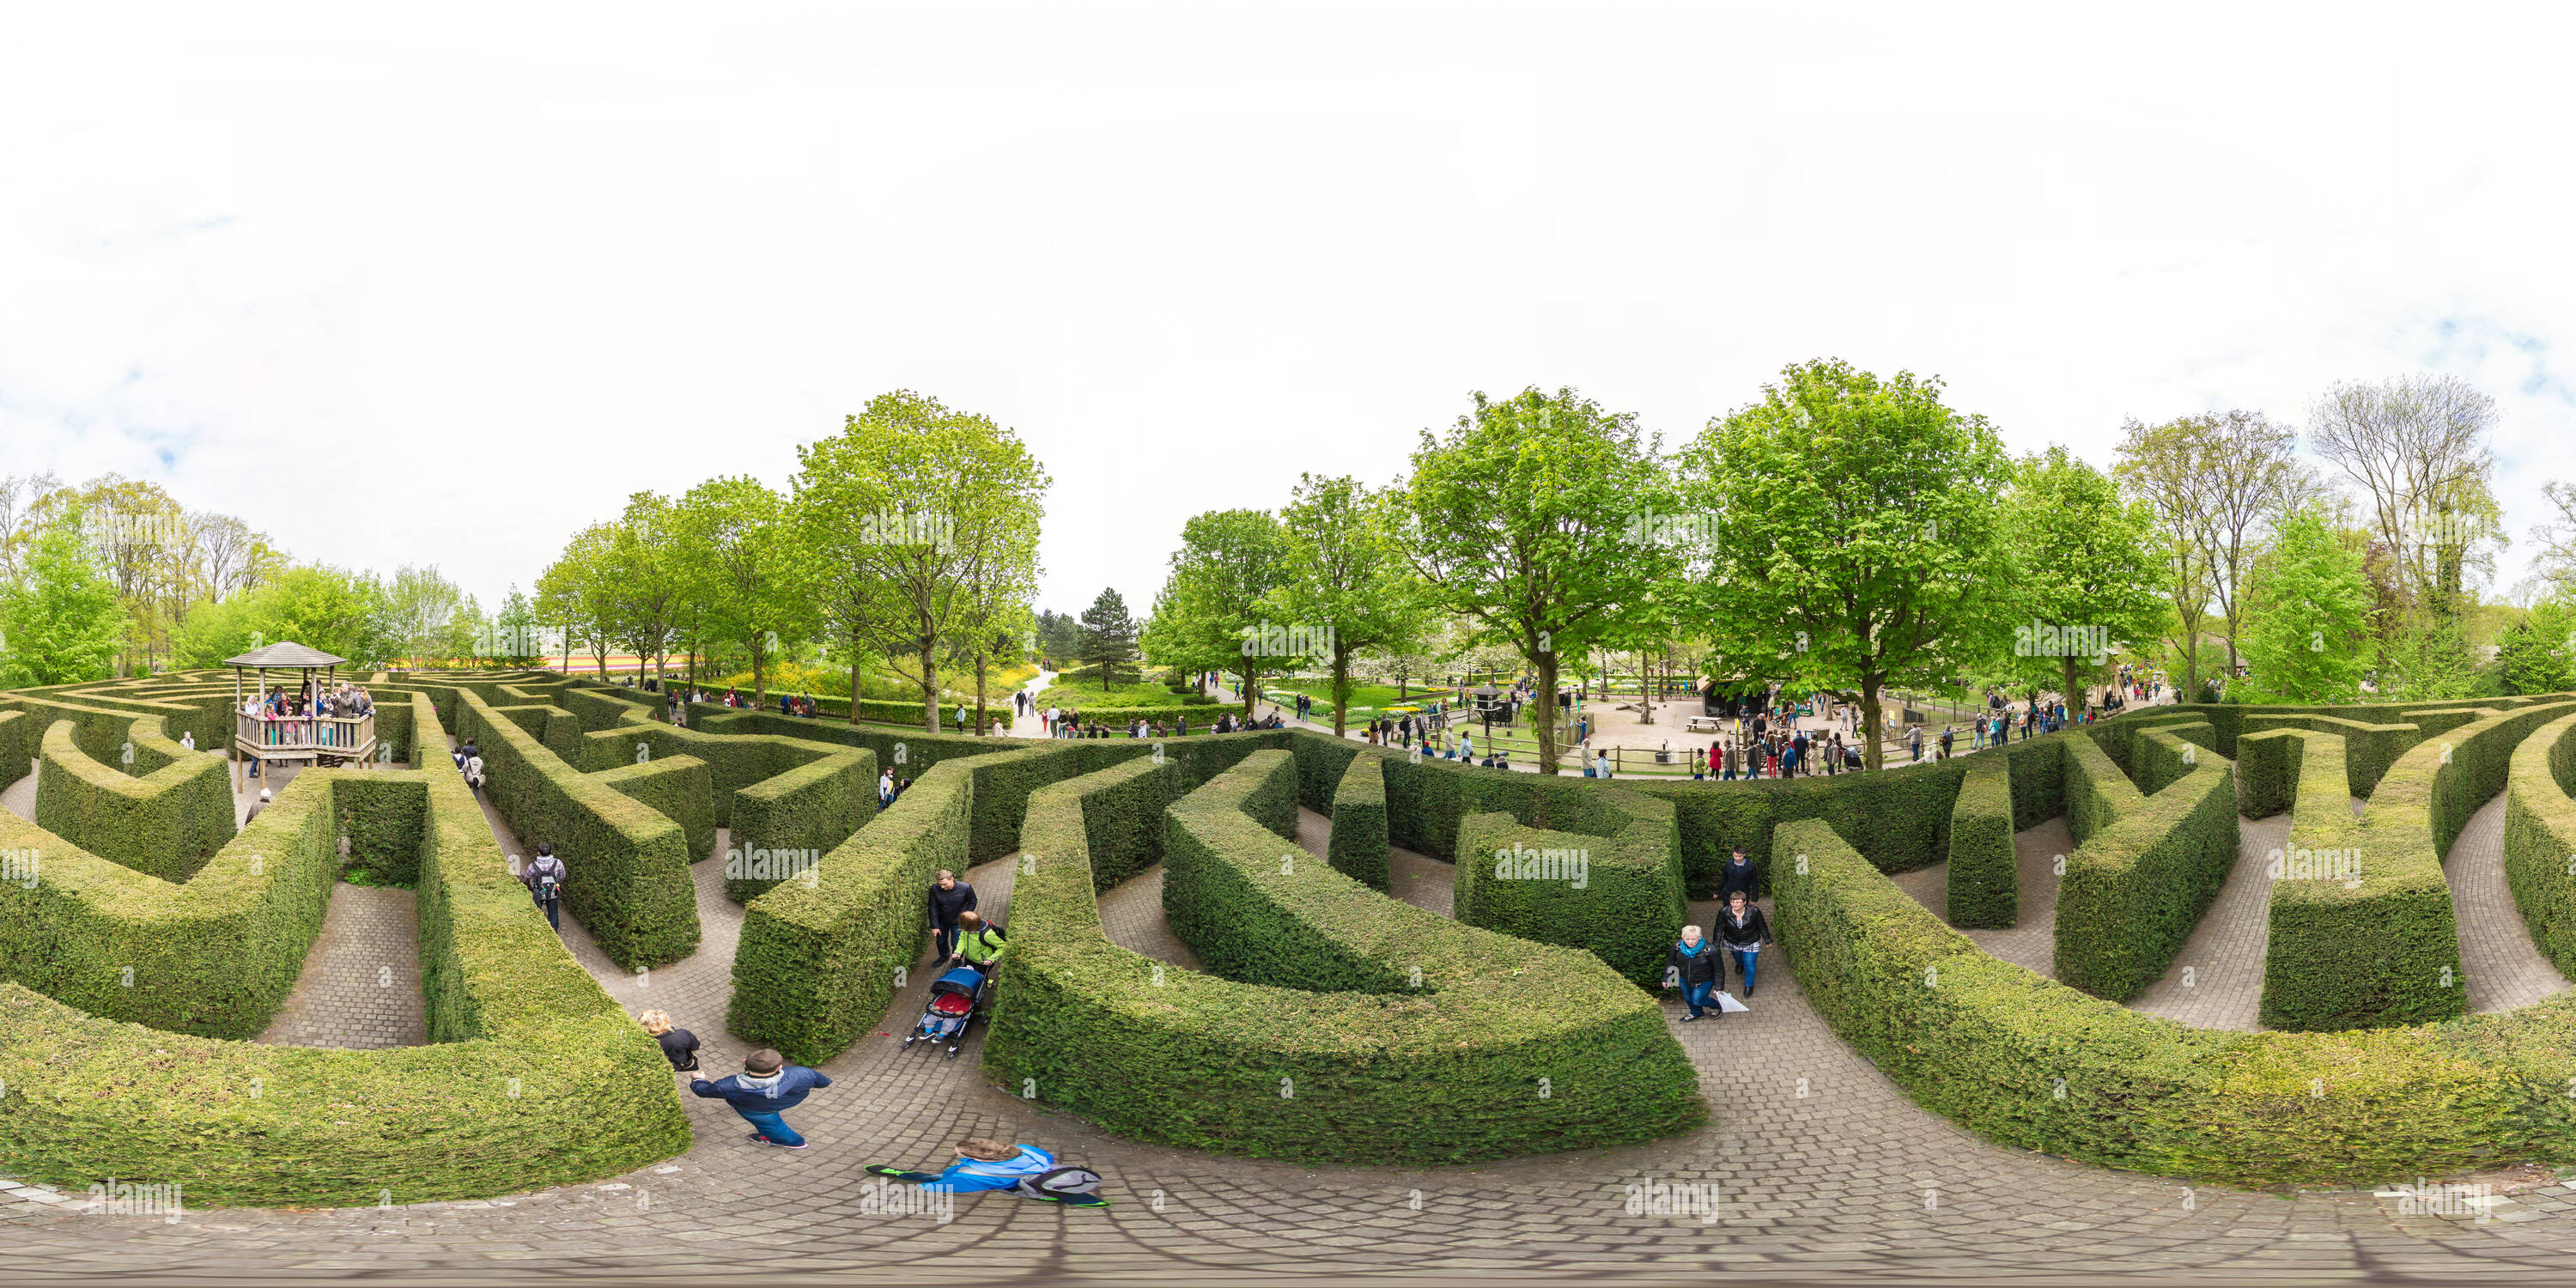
(766, 1088)
(1742, 929)
(1692, 966)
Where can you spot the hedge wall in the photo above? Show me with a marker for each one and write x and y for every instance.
(536, 1078)
(813, 807)
(2362, 929)
(2144, 868)
(2036, 1065)
(2369, 749)
(677, 787)
(817, 964)
(1351, 1028)
(627, 864)
(1984, 876)
(16, 755)
(168, 822)
(1905, 816)
(1622, 902)
(1357, 847)
(2540, 838)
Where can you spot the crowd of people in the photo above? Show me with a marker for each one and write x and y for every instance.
(1066, 722)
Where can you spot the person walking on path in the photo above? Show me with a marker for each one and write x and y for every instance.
(1914, 740)
(762, 1093)
(679, 1046)
(949, 901)
(1693, 966)
(1742, 930)
(1740, 875)
(545, 880)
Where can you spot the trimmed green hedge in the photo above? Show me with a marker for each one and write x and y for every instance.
(2144, 868)
(818, 964)
(2362, 929)
(2033, 1064)
(627, 863)
(1984, 876)
(680, 789)
(536, 1077)
(1357, 1029)
(811, 808)
(16, 755)
(1619, 895)
(2540, 838)
(167, 822)
(1357, 847)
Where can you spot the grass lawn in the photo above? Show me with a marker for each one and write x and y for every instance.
(1364, 696)
(1083, 697)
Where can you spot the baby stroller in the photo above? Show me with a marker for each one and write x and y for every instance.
(956, 998)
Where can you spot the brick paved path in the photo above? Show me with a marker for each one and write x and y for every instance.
(1824, 1170)
(2216, 981)
(2504, 967)
(2031, 941)
(361, 982)
(19, 798)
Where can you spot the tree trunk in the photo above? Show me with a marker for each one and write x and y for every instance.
(1645, 691)
(1543, 717)
(2075, 703)
(929, 686)
(1870, 717)
(759, 675)
(1249, 671)
(1341, 689)
(979, 691)
(854, 677)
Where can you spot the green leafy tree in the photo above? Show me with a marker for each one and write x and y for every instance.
(920, 523)
(1855, 536)
(2085, 578)
(2308, 640)
(2538, 653)
(1214, 610)
(574, 594)
(746, 571)
(61, 621)
(1108, 636)
(2167, 466)
(1524, 521)
(645, 578)
(1342, 556)
(2429, 659)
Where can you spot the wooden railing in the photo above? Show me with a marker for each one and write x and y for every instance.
(343, 735)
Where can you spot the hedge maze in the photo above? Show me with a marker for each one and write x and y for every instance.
(1328, 1023)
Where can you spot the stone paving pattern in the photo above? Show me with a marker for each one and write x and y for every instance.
(1823, 1171)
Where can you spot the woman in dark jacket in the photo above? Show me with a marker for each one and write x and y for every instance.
(1743, 931)
(1693, 967)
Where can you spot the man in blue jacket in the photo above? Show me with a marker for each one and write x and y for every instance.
(766, 1088)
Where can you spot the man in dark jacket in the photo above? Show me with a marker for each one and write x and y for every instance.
(1740, 873)
(766, 1088)
(948, 898)
(1693, 966)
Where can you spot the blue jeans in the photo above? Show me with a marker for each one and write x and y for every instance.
(1697, 996)
(554, 912)
(771, 1125)
(1744, 959)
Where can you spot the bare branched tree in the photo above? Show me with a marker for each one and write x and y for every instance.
(2417, 447)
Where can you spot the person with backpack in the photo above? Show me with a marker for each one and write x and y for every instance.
(545, 880)
(474, 769)
(984, 1165)
(979, 942)
(1693, 966)
(765, 1090)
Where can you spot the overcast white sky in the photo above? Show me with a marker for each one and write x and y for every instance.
(442, 285)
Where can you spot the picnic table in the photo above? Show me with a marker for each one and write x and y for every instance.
(1697, 724)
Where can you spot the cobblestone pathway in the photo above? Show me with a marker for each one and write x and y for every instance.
(361, 982)
(1822, 1170)
(2031, 940)
(2504, 967)
(2216, 981)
